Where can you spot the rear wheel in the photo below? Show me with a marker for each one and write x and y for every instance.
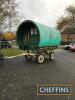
(40, 58)
(51, 55)
(28, 57)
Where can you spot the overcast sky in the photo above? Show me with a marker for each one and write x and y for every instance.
(43, 11)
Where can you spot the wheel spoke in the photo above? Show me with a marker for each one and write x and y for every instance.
(40, 58)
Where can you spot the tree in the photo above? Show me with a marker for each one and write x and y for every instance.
(9, 36)
(71, 12)
(66, 24)
(62, 22)
(68, 19)
(8, 14)
(1, 36)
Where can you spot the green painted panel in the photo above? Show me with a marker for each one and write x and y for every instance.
(48, 36)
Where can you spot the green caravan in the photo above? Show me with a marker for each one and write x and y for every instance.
(37, 40)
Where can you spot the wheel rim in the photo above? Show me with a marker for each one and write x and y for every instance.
(52, 55)
(41, 58)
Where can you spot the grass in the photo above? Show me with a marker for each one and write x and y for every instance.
(11, 52)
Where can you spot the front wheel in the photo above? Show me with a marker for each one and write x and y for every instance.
(40, 58)
(51, 55)
(28, 57)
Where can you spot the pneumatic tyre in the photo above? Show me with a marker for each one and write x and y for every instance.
(40, 58)
(51, 55)
(28, 57)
